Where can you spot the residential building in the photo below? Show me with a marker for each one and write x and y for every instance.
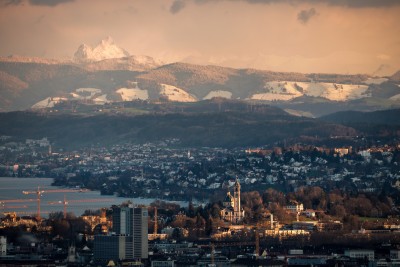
(163, 263)
(395, 254)
(294, 206)
(360, 254)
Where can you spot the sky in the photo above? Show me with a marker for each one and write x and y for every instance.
(325, 36)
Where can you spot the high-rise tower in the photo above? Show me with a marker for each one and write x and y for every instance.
(129, 238)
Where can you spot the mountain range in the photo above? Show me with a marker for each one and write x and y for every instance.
(107, 73)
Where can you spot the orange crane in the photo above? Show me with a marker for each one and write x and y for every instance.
(22, 212)
(66, 203)
(14, 207)
(17, 200)
(8, 201)
(39, 193)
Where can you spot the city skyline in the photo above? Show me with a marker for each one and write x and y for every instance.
(278, 35)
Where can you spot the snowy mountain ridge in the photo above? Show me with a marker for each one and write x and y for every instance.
(107, 73)
(288, 90)
(106, 49)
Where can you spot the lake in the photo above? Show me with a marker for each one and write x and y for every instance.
(11, 189)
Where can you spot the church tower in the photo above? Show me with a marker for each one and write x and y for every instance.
(232, 211)
(236, 197)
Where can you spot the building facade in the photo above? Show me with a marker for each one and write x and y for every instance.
(3, 246)
(360, 254)
(294, 206)
(128, 240)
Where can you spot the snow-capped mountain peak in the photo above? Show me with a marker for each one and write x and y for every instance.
(107, 41)
(106, 49)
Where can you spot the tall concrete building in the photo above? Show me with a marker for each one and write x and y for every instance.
(129, 238)
(3, 245)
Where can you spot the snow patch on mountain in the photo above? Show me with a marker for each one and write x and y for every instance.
(219, 93)
(299, 113)
(272, 97)
(48, 102)
(278, 91)
(395, 97)
(106, 49)
(287, 90)
(85, 93)
(93, 94)
(101, 100)
(129, 94)
(174, 93)
(133, 63)
(345, 92)
(313, 88)
(375, 80)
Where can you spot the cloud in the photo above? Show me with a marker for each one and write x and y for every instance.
(12, 2)
(50, 3)
(348, 3)
(383, 57)
(39, 19)
(177, 6)
(361, 3)
(345, 3)
(305, 15)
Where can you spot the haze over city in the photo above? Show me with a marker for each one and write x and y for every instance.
(348, 36)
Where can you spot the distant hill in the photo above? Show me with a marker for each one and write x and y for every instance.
(383, 117)
(131, 63)
(220, 129)
(384, 124)
(395, 77)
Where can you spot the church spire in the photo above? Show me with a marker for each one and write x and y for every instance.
(237, 185)
(236, 196)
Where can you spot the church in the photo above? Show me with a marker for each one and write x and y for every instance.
(232, 211)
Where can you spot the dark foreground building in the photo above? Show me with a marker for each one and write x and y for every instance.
(128, 240)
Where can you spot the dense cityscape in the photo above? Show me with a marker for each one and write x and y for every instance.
(284, 205)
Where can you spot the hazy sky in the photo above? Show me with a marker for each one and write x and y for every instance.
(343, 36)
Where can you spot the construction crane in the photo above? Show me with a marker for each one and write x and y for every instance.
(66, 203)
(13, 207)
(22, 212)
(39, 193)
(4, 204)
(16, 200)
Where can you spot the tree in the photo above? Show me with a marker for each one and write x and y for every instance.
(57, 215)
(60, 228)
(214, 211)
(338, 211)
(191, 212)
(273, 196)
(351, 222)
